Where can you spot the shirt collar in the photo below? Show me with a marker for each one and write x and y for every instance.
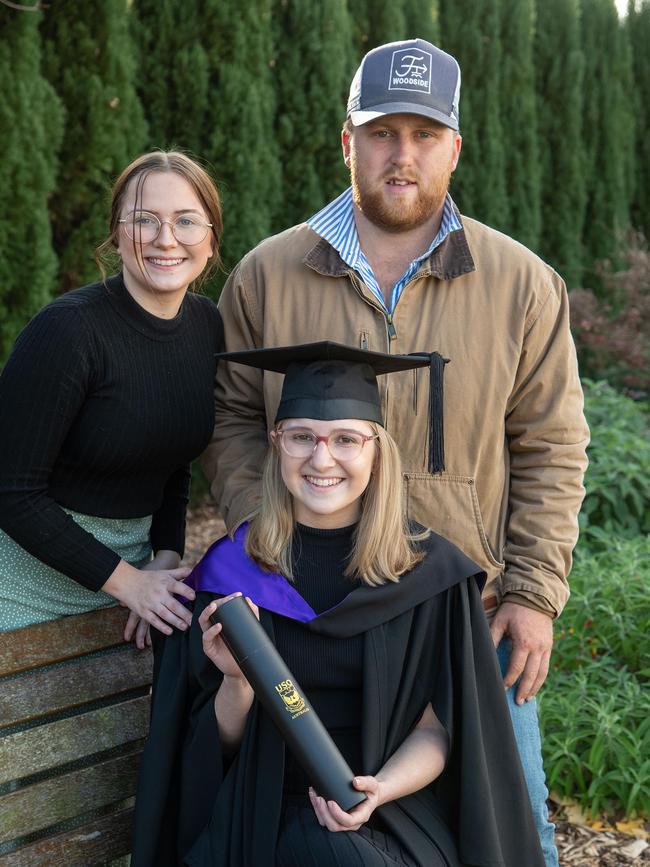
(335, 223)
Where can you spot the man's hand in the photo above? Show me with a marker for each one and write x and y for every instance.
(532, 641)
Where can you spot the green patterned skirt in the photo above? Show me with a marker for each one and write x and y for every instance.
(31, 592)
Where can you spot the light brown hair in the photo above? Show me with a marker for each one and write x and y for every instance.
(163, 161)
(384, 547)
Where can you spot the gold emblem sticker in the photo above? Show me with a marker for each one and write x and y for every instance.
(292, 699)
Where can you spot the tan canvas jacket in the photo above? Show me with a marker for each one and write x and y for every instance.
(514, 429)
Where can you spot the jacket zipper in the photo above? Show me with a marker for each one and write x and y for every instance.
(390, 322)
(391, 335)
(391, 331)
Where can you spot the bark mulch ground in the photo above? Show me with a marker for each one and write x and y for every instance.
(578, 845)
(581, 846)
(203, 526)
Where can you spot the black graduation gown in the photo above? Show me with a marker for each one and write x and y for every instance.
(425, 639)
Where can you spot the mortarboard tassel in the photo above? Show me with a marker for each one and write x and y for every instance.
(436, 421)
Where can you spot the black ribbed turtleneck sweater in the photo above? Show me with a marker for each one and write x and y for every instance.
(102, 407)
(329, 670)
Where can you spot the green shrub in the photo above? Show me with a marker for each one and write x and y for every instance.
(608, 614)
(595, 706)
(612, 333)
(617, 503)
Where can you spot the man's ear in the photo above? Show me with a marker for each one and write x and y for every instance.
(346, 142)
(458, 144)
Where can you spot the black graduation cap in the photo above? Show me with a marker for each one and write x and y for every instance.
(328, 380)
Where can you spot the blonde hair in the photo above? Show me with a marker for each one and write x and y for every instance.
(139, 170)
(384, 548)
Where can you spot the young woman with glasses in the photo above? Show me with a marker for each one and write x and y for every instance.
(381, 625)
(105, 400)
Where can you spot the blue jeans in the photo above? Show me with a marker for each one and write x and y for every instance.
(526, 729)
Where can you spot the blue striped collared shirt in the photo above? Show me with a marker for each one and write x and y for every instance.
(335, 223)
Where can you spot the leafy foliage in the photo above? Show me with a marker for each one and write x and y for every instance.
(311, 83)
(374, 23)
(32, 124)
(559, 71)
(638, 28)
(608, 128)
(617, 504)
(613, 336)
(175, 95)
(240, 143)
(470, 30)
(595, 706)
(90, 61)
(522, 165)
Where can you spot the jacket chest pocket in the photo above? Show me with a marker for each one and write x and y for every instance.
(449, 506)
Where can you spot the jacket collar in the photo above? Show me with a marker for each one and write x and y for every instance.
(451, 259)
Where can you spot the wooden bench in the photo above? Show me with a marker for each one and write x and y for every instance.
(74, 712)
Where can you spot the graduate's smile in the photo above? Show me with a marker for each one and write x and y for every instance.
(326, 493)
(326, 482)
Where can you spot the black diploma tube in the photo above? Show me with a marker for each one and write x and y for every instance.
(284, 701)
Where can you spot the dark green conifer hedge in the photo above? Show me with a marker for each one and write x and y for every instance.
(31, 119)
(519, 119)
(312, 79)
(470, 30)
(554, 116)
(607, 134)
(638, 30)
(90, 60)
(559, 76)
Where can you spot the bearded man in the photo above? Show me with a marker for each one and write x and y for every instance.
(391, 265)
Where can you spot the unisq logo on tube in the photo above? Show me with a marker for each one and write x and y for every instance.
(294, 703)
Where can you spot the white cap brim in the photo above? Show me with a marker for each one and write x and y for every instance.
(358, 118)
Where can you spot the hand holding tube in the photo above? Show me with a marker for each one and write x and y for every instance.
(214, 647)
(283, 699)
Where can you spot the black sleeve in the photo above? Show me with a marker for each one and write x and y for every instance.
(483, 778)
(181, 768)
(168, 524)
(42, 389)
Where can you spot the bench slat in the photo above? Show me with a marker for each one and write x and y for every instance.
(54, 641)
(48, 692)
(91, 844)
(52, 801)
(54, 744)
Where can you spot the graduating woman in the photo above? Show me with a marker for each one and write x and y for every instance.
(105, 400)
(381, 624)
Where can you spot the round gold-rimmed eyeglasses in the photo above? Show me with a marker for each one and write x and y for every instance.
(145, 226)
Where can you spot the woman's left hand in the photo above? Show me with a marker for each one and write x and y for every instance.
(332, 817)
(136, 628)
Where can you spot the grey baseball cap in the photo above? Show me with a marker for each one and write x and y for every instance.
(410, 77)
